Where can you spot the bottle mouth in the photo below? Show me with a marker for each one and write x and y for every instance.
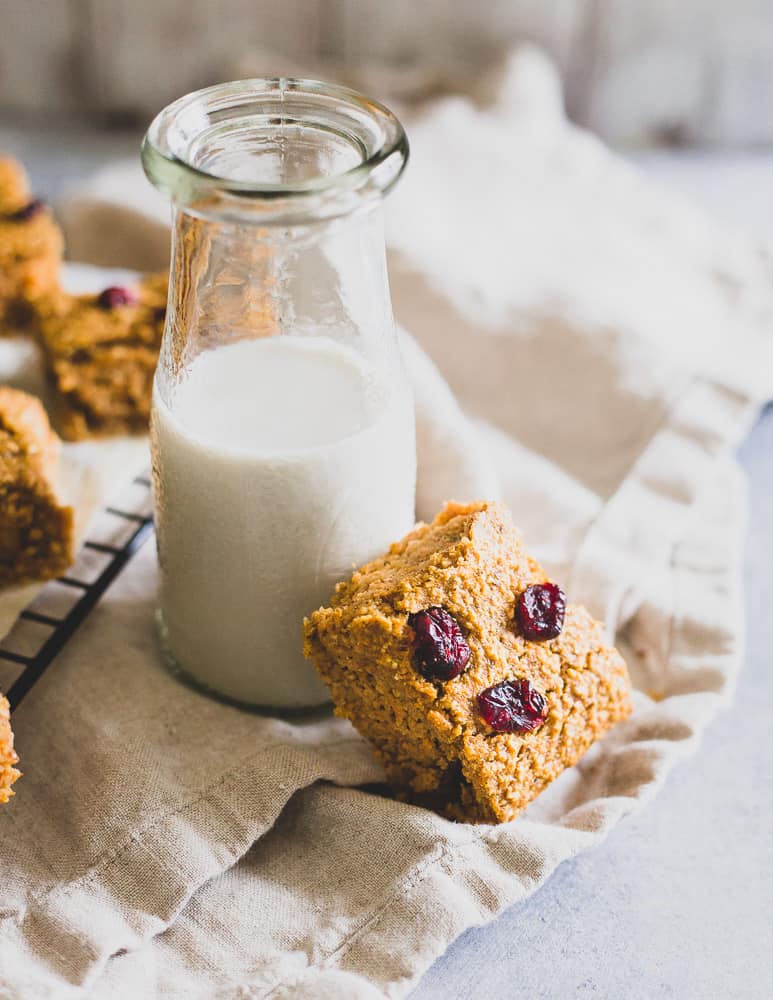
(274, 149)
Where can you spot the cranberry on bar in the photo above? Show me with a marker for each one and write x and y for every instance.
(474, 699)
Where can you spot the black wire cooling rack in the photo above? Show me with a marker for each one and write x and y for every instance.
(60, 608)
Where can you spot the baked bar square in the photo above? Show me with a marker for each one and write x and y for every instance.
(101, 353)
(457, 658)
(36, 530)
(30, 249)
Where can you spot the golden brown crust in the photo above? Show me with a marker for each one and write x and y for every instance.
(428, 736)
(36, 531)
(30, 251)
(8, 757)
(101, 361)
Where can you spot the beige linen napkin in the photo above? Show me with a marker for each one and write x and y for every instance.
(606, 349)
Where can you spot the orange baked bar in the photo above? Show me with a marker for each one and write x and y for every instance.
(433, 651)
(8, 758)
(101, 353)
(30, 249)
(36, 530)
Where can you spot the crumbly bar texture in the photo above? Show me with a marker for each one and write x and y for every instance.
(30, 250)
(36, 530)
(429, 736)
(101, 360)
(8, 757)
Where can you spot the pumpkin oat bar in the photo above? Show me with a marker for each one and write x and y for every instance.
(30, 249)
(101, 353)
(36, 530)
(458, 660)
(8, 758)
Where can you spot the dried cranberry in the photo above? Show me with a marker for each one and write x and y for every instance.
(513, 707)
(28, 211)
(440, 650)
(540, 611)
(117, 296)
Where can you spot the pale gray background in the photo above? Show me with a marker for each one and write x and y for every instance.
(635, 71)
(678, 902)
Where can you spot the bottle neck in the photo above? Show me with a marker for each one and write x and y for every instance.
(236, 280)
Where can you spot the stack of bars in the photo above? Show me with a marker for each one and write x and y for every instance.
(100, 350)
(36, 528)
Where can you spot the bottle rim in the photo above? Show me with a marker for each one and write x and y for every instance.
(174, 150)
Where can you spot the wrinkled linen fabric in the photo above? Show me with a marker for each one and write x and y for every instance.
(581, 344)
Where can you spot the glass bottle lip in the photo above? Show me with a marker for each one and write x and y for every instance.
(175, 160)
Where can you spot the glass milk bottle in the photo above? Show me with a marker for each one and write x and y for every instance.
(282, 431)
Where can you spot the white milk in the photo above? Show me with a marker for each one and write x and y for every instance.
(281, 465)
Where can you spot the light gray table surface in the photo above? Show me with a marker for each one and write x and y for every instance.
(678, 901)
